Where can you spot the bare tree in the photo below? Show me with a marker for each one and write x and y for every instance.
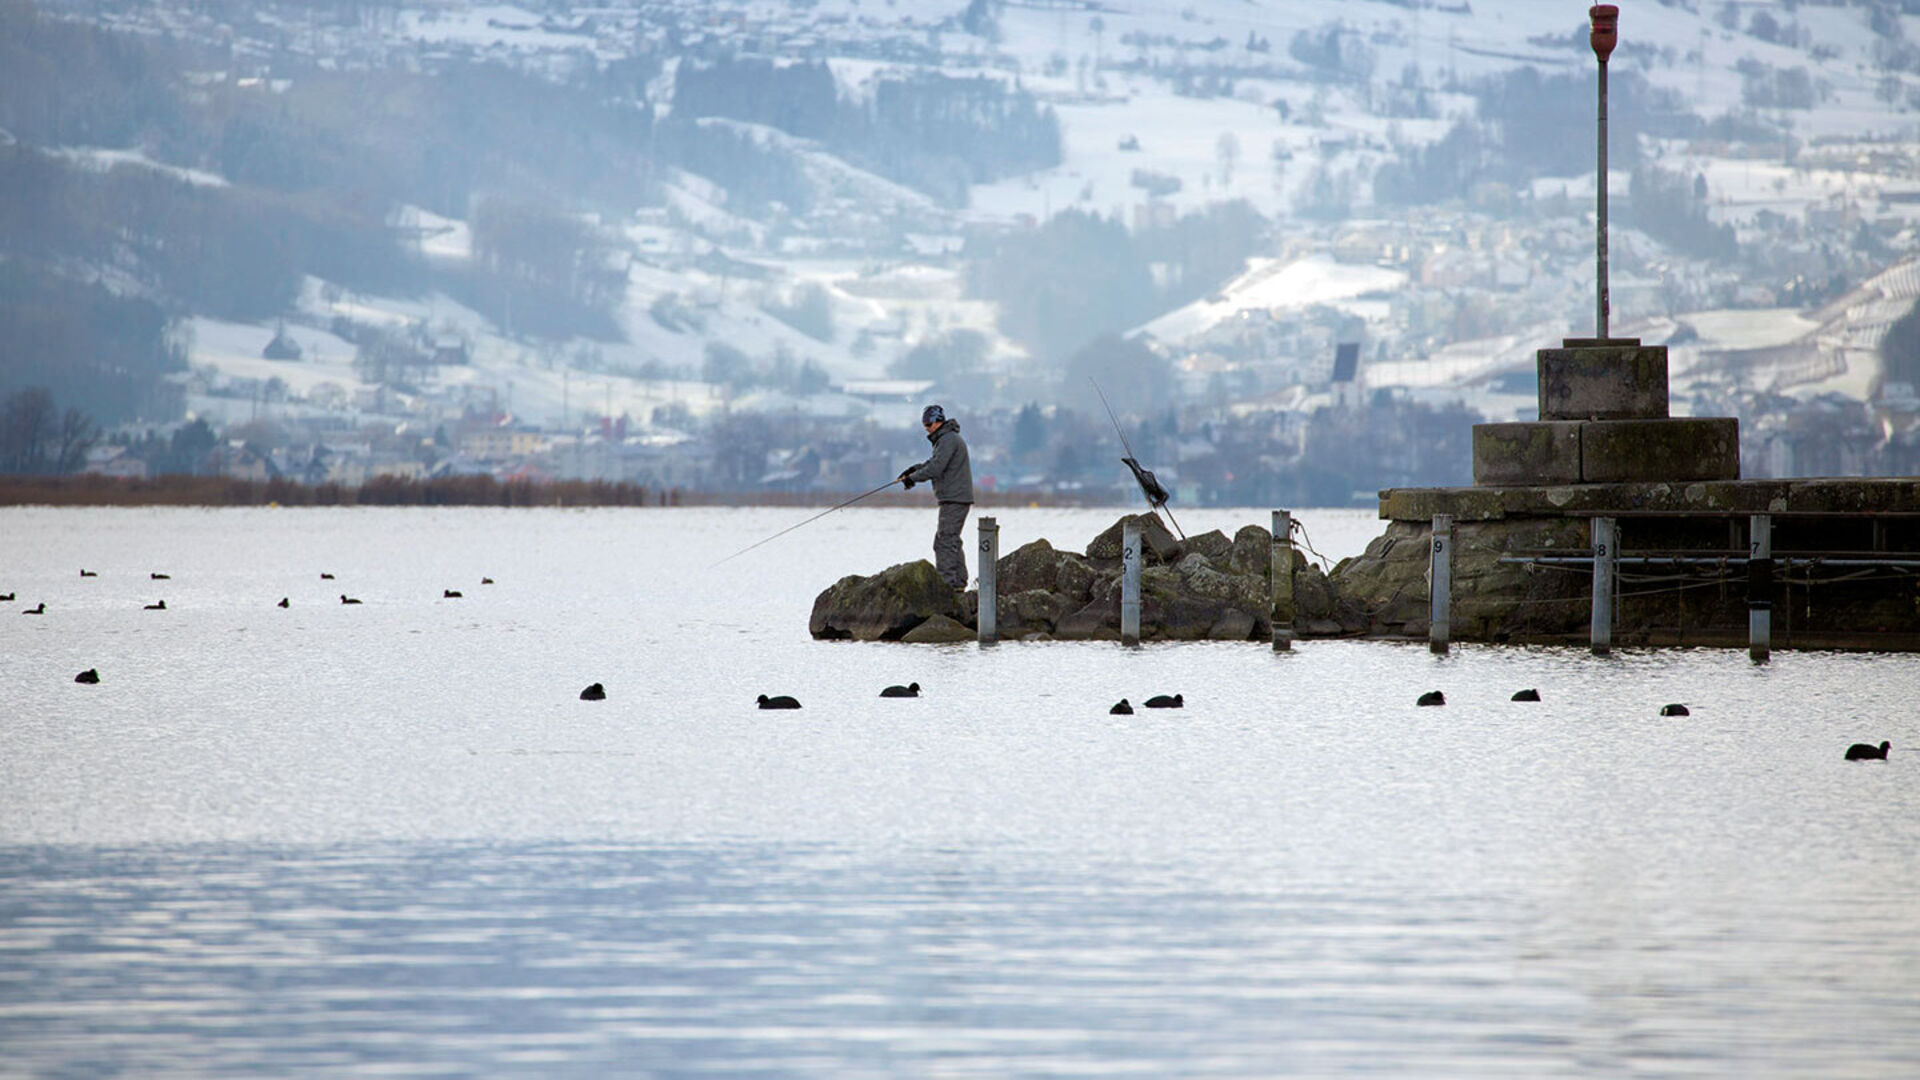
(1227, 150)
(25, 429)
(77, 436)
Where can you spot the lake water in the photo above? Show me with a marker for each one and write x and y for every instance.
(389, 839)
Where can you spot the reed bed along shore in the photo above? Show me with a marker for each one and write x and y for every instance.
(472, 490)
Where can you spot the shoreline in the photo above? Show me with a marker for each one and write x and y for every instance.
(481, 490)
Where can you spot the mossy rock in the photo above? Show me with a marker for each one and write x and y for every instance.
(1159, 544)
(939, 630)
(1031, 566)
(1251, 551)
(1213, 544)
(885, 606)
(1035, 609)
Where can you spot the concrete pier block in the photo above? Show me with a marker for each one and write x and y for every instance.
(1526, 453)
(1615, 379)
(1675, 450)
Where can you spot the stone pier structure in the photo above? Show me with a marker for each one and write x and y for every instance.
(1603, 420)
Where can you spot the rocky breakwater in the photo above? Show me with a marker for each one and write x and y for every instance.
(1207, 587)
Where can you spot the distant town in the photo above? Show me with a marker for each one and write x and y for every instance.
(732, 249)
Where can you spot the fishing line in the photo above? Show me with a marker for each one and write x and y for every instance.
(1149, 484)
(809, 521)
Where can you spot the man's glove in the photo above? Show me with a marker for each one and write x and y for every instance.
(905, 479)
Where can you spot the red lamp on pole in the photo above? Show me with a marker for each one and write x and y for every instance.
(1603, 36)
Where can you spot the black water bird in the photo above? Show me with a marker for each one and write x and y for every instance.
(1162, 701)
(780, 702)
(909, 690)
(1675, 709)
(486, 581)
(1121, 708)
(156, 576)
(324, 576)
(6, 598)
(1526, 695)
(345, 599)
(88, 573)
(89, 676)
(283, 603)
(1432, 697)
(596, 692)
(37, 609)
(1862, 752)
(157, 605)
(450, 594)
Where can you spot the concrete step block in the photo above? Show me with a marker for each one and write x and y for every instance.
(1674, 449)
(1615, 379)
(1542, 452)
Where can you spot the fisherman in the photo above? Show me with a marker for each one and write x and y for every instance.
(952, 479)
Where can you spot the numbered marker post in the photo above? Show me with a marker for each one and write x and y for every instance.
(1130, 584)
(1440, 585)
(1280, 564)
(1604, 554)
(1760, 588)
(989, 620)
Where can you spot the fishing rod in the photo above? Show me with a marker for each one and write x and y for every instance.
(1150, 486)
(810, 520)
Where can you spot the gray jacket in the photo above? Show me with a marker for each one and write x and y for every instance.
(948, 468)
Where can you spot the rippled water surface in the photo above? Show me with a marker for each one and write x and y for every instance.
(389, 839)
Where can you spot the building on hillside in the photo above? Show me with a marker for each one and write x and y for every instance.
(114, 461)
(281, 347)
(1348, 391)
(500, 443)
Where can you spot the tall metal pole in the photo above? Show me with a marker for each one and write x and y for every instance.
(1760, 588)
(1130, 559)
(989, 613)
(1440, 585)
(1605, 554)
(1605, 33)
(1280, 565)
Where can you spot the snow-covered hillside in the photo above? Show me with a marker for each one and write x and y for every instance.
(1209, 99)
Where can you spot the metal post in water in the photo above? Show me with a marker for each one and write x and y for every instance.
(1130, 584)
(1604, 554)
(1603, 35)
(1281, 565)
(989, 619)
(1440, 581)
(1760, 588)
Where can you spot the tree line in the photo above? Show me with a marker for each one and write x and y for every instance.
(937, 133)
(1081, 275)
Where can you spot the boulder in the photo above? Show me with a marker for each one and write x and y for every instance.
(1031, 566)
(1159, 543)
(1251, 551)
(1073, 578)
(1033, 610)
(937, 631)
(1235, 625)
(1212, 544)
(885, 606)
(1096, 621)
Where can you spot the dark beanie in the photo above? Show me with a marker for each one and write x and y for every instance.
(933, 414)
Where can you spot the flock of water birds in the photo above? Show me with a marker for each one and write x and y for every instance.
(598, 691)
(161, 605)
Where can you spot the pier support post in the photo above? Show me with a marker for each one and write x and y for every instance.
(1760, 588)
(1281, 566)
(1130, 559)
(989, 617)
(1605, 551)
(1440, 585)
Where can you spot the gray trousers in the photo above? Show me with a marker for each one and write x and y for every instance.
(949, 553)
